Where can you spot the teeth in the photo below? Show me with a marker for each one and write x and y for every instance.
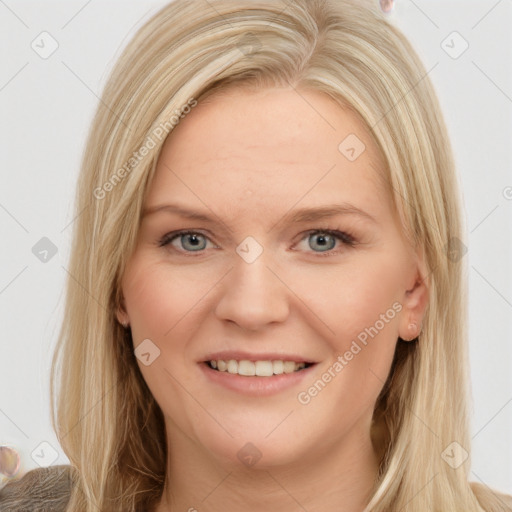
(246, 368)
(232, 366)
(278, 367)
(257, 368)
(289, 367)
(264, 368)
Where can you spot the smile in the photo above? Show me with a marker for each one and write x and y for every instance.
(257, 368)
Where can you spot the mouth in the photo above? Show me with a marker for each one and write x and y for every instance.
(257, 375)
(264, 368)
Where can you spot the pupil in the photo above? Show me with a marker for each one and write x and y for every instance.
(322, 241)
(192, 240)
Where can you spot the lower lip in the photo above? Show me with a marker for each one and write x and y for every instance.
(256, 386)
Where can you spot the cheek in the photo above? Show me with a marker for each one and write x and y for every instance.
(158, 299)
(162, 303)
(353, 295)
(165, 304)
(360, 305)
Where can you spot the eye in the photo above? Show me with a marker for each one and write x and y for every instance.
(190, 241)
(320, 240)
(324, 240)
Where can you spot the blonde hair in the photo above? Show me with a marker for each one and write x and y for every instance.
(106, 419)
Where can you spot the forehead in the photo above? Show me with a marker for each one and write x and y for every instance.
(281, 146)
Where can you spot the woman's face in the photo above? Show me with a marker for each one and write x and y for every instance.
(253, 176)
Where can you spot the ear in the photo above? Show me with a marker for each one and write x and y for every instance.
(122, 315)
(414, 301)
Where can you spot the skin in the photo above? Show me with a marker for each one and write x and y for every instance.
(248, 159)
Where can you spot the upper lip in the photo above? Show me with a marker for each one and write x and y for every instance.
(239, 355)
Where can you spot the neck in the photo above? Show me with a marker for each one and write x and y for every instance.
(336, 480)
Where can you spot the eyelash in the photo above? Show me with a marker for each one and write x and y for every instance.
(346, 238)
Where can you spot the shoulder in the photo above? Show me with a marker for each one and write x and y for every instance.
(39, 490)
(491, 500)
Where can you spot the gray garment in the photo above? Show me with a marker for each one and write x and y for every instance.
(39, 490)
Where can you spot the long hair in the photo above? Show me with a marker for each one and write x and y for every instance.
(108, 423)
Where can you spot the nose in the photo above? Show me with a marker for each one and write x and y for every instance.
(253, 295)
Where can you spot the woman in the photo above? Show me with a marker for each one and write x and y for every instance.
(267, 303)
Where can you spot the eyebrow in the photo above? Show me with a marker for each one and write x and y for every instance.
(296, 216)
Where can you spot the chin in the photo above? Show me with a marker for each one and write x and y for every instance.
(254, 452)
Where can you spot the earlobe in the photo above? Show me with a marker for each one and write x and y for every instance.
(414, 306)
(413, 311)
(413, 331)
(122, 315)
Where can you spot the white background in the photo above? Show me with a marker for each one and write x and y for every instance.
(47, 106)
